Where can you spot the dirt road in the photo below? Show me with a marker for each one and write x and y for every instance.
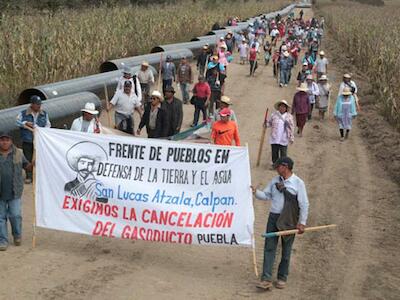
(346, 186)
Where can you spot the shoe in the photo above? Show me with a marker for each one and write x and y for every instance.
(264, 285)
(280, 284)
(342, 139)
(346, 136)
(28, 180)
(285, 84)
(17, 242)
(3, 247)
(281, 85)
(192, 125)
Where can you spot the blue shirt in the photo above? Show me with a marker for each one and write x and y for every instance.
(295, 186)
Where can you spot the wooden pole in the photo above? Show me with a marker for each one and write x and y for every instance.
(107, 106)
(264, 129)
(34, 192)
(296, 231)
(254, 256)
(159, 73)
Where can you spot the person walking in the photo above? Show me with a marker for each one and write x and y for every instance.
(174, 111)
(344, 112)
(125, 103)
(225, 131)
(154, 118)
(202, 60)
(168, 71)
(201, 97)
(225, 102)
(185, 78)
(301, 107)
(289, 210)
(27, 120)
(89, 121)
(285, 66)
(128, 76)
(215, 77)
(253, 60)
(12, 161)
(243, 49)
(323, 100)
(303, 73)
(313, 93)
(146, 80)
(282, 127)
(321, 65)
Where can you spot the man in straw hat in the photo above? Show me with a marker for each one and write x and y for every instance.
(225, 102)
(285, 188)
(243, 49)
(88, 122)
(321, 65)
(285, 66)
(282, 127)
(313, 93)
(324, 91)
(146, 79)
(12, 161)
(348, 82)
(344, 112)
(301, 107)
(225, 131)
(185, 78)
(154, 118)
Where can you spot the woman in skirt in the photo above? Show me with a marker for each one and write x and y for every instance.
(344, 112)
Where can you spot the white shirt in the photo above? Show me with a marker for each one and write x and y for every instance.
(321, 64)
(274, 32)
(145, 76)
(120, 86)
(343, 85)
(125, 104)
(77, 125)
(281, 137)
(295, 186)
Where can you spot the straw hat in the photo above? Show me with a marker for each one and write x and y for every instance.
(305, 64)
(322, 53)
(323, 77)
(226, 100)
(346, 91)
(281, 102)
(205, 47)
(303, 87)
(90, 108)
(347, 75)
(145, 64)
(224, 46)
(157, 94)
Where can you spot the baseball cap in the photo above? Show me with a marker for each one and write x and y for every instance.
(225, 112)
(5, 134)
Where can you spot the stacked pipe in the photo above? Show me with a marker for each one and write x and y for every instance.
(65, 99)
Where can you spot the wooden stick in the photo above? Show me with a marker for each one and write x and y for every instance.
(260, 147)
(254, 256)
(296, 231)
(107, 106)
(34, 193)
(159, 73)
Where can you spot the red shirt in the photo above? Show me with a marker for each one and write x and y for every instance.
(202, 90)
(253, 54)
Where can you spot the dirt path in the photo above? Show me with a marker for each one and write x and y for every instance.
(346, 186)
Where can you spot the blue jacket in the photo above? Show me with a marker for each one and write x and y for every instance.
(337, 112)
(26, 116)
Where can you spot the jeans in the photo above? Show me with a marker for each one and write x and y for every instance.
(214, 101)
(27, 148)
(278, 151)
(270, 251)
(185, 91)
(10, 210)
(199, 106)
(166, 83)
(285, 76)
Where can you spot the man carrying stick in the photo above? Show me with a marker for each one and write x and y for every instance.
(289, 210)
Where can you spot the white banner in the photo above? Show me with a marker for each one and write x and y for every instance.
(148, 189)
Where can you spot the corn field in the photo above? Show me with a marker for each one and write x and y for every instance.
(39, 47)
(371, 36)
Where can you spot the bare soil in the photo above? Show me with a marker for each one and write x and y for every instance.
(347, 185)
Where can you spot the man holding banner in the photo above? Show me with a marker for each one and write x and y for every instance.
(289, 210)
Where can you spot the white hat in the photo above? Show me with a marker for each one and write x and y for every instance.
(347, 75)
(286, 54)
(309, 77)
(346, 91)
(157, 94)
(284, 48)
(323, 77)
(305, 64)
(145, 64)
(221, 38)
(244, 39)
(281, 102)
(322, 53)
(303, 87)
(90, 108)
(224, 46)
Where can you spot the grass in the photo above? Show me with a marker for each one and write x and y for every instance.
(39, 47)
(371, 36)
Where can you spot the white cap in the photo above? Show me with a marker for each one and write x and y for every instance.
(90, 108)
